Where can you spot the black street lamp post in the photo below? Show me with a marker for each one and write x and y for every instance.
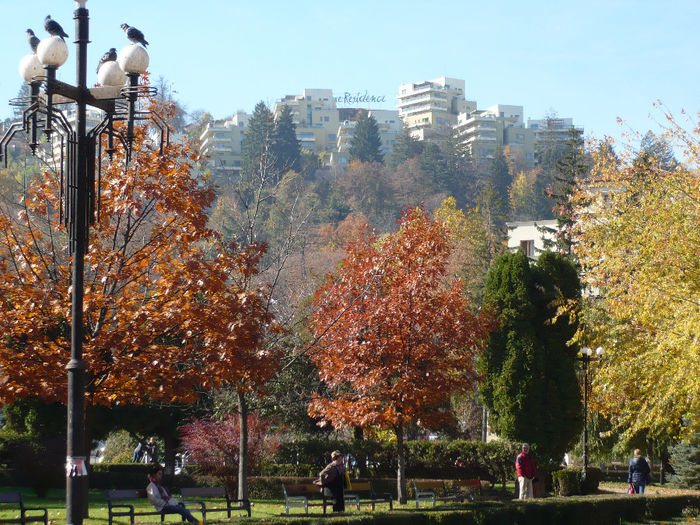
(586, 358)
(80, 186)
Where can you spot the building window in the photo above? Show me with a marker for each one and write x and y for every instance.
(528, 248)
(332, 137)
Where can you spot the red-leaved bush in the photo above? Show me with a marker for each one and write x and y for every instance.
(213, 445)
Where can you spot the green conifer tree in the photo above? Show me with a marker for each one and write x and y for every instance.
(286, 147)
(530, 383)
(257, 141)
(570, 168)
(365, 145)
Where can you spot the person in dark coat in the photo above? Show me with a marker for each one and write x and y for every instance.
(639, 472)
(332, 479)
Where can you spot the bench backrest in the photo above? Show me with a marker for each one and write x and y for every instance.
(11, 497)
(116, 494)
(360, 486)
(305, 489)
(203, 492)
(468, 484)
(437, 486)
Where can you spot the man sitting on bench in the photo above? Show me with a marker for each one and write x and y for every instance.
(162, 500)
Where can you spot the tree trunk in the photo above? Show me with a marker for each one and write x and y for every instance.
(169, 442)
(401, 469)
(243, 447)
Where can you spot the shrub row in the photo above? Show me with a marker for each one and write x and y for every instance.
(571, 511)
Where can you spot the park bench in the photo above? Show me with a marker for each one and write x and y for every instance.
(188, 495)
(433, 491)
(304, 495)
(363, 492)
(116, 510)
(26, 514)
(469, 488)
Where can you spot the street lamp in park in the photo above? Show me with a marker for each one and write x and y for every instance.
(81, 155)
(586, 358)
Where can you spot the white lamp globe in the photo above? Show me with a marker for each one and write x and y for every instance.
(599, 351)
(133, 59)
(586, 351)
(52, 51)
(30, 67)
(110, 74)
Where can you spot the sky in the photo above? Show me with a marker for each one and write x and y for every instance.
(593, 61)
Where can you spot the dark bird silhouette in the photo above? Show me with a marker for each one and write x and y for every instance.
(54, 28)
(109, 56)
(134, 35)
(32, 40)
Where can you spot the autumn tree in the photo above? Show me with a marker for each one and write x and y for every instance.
(477, 241)
(155, 303)
(529, 383)
(395, 342)
(638, 231)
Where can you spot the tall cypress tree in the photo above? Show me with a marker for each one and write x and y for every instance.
(365, 145)
(531, 388)
(257, 141)
(285, 144)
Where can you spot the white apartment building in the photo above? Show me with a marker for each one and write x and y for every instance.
(316, 117)
(429, 109)
(221, 143)
(483, 131)
(527, 236)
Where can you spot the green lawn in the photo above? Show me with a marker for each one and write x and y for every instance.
(55, 504)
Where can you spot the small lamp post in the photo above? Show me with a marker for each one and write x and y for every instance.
(79, 149)
(586, 358)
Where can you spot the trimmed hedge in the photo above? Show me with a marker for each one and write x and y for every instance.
(569, 481)
(608, 510)
(132, 475)
(493, 461)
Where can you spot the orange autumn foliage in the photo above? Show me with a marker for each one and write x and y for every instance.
(395, 342)
(163, 319)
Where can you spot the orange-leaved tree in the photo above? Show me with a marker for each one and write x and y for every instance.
(163, 319)
(396, 339)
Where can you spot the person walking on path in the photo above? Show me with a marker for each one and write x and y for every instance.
(639, 472)
(525, 467)
(332, 479)
(161, 498)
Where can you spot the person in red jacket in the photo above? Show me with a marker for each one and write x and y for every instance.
(525, 467)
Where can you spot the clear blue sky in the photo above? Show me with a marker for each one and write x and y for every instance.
(593, 61)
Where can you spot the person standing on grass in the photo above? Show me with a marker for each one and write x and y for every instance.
(639, 473)
(161, 498)
(525, 467)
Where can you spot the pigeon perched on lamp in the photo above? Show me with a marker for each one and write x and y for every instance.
(54, 28)
(109, 56)
(134, 35)
(32, 40)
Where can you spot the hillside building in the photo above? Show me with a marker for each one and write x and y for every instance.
(429, 109)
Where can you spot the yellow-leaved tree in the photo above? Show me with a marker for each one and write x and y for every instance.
(638, 233)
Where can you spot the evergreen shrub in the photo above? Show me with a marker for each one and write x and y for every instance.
(567, 482)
